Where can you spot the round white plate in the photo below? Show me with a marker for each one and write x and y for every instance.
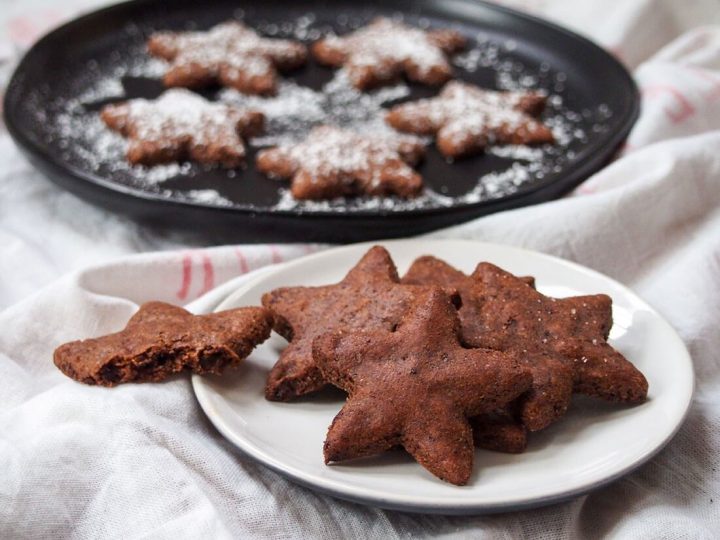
(594, 444)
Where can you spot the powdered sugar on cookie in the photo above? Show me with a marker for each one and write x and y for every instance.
(76, 134)
(295, 110)
(383, 50)
(333, 162)
(465, 118)
(179, 125)
(230, 54)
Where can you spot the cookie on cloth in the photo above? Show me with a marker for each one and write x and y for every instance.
(465, 118)
(162, 339)
(181, 125)
(415, 386)
(382, 51)
(369, 296)
(563, 341)
(334, 162)
(230, 54)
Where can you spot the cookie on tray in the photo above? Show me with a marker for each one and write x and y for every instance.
(181, 125)
(415, 386)
(334, 162)
(230, 54)
(162, 339)
(384, 50)
(465, 118)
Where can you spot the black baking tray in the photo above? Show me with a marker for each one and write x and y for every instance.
(598, 92)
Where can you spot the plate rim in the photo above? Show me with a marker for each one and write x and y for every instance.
(202, 392)
(81, 179)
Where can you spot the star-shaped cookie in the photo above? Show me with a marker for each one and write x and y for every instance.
(563, 341)
(415, 386)
(382, 51)
(499, 430)
(181, 125)
(162, 339)
(369, 296)
(230, 54)
(465, 119)
(333, 162)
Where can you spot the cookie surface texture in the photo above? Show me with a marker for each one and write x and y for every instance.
(415, 387)
(333, 162)
(563, 341)
(230, 54)
(500, 430)
(370, 296)
(162, 339)
(465, 119)
(180, 125)
(384, 50)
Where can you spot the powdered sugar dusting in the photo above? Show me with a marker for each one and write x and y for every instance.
(75, 130)
(329, 150)
(462, 109)
(179, 113)
(384, 40)
(210, 197)
(295, 110)
(228, 44)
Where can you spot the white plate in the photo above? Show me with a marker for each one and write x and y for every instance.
(593, 445)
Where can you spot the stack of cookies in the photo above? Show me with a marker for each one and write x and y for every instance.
(436, 362)
(332, 161)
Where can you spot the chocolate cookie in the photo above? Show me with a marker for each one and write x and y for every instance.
(561, 340)
(465, 118)
(370, 296)
(180, 125)
(333, 162)
(230, 54)
(382, 51)
(429, 270)
(500, 431)
(162, 339)
(415, 386)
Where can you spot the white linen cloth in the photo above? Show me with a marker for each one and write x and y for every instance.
(142, 460)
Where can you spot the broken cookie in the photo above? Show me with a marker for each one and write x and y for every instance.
(333, 162)
(230, 54)
(415, 386)
(162, 339)
(465, 119)
(382, 51)
(181, 125)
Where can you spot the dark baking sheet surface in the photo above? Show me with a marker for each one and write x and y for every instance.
(52, 101)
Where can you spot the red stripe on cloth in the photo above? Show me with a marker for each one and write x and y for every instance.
(585, 189)
(244, 266)
(683, 108)
(208, 274)
(275, 254)
(186, 277)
